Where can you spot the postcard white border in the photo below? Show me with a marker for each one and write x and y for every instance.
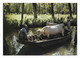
(39, 1)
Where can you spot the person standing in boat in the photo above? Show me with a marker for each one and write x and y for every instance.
(23, 32)
(61, 20)
(68, 23)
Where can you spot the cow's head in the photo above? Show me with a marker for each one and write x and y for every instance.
(40, 31)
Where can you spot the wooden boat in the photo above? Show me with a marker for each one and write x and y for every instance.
(48, 42)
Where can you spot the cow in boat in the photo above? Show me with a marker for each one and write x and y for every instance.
(51, 30)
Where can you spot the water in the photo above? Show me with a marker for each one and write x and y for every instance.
(15, 47)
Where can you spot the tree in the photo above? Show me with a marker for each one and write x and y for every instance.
(76, 8)
(52, 9)
(49, 8)
(70, 9)
(6, 8)
(17, 7)
(39, 8)
(73, 8)
(9, 8)
(35, 10)
(22, 13)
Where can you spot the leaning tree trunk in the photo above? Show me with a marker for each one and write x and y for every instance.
(35, 10)
(70, 9)
(52, 11)
(22, 14)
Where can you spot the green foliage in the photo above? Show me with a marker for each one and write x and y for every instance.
(31, 22)
(28, 8)
(13, 11)
(10, 23)
(66, 10)
(42, 8)
(5, 8)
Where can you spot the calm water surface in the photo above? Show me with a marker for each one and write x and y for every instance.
(14, 46)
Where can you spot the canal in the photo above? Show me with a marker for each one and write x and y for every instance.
(16, 48)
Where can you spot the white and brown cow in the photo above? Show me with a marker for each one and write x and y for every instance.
(52, 30)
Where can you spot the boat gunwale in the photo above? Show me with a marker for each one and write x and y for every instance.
(37, 42)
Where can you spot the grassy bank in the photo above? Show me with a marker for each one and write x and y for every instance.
(40, 21)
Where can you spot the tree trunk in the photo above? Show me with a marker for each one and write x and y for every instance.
(52, 11)
(76, 8)
(44, 8)
(49, 9)
(39, 8)
(22, 13)
(17, 7)
(8, 8)
(73, 8)
(35, 10)
(70, 9)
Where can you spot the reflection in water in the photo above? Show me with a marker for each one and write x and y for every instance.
(15, 47)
